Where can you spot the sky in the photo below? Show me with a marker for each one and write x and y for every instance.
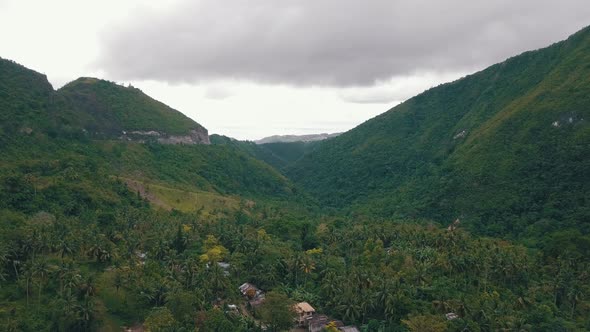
(255, 68)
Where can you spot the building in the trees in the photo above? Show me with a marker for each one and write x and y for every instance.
(304, 312)
(318, 323)
(254, 295)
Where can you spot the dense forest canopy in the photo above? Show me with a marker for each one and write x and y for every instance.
(463, 209)
(504, 149)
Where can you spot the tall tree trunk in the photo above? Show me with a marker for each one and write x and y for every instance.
(27, 287)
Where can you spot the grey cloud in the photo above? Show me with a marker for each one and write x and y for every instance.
(370, 98)
(397, 89)
(379, 94)
(330, 42)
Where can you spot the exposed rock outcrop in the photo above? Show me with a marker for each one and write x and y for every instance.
(195, 136)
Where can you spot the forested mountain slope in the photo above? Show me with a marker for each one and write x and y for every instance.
(505, 149)
(280, 155)
(111, 109)
(87, 106)
(25, 97)
(101, 230)
(80, 130)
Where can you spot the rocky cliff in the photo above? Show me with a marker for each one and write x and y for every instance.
(198, 135)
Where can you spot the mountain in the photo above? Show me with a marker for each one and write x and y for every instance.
(106, 226)
(90, 107)
(505, 150)
(94, 177)
(93, 127)
(295, 138)
(25, 97)
(105, 108)
(280, 155)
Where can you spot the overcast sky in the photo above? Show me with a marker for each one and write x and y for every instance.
(255, 68)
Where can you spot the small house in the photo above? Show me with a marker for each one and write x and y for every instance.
(254, 295)
(304, 312)
(317, 323)
(249, 290)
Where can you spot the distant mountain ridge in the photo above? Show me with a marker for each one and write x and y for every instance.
(280, 155)
(295, 138)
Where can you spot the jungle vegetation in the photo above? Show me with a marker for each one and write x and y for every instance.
(97, 233)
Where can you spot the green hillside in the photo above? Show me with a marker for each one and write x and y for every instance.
(504, 149)
(102, 232)
(86, 106)
(289, 152)
(104, 106)
(280, 155)
(77, 205)
(75, 130)
(25, 97)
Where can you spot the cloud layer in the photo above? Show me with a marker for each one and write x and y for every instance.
(330, 42)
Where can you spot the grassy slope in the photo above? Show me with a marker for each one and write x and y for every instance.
(510, 165)
(182, 200)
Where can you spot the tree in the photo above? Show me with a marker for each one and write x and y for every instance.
(215, 252)
(215, 320)
(331, 327)
(159, 319)
(425, 323)
(86, 313)
(41, 270)
(277, 311)
(181, 240)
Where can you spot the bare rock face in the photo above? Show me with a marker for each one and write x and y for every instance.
(195, 136)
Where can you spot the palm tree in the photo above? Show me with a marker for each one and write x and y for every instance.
(67, 304)
(85, 313)
(118, 281)
(28, 272)
(349, 309)
(72, 279)
(64, 247)
(15, 264)
(330, 286)
(87, 288)
(41, 270)
(4, 258)
(382, 295)
(61, 272)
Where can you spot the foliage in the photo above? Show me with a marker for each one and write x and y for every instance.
(84, 246)
(425, 323)
(106, 107)
(280, 155)
(159, 320)
(277, 311)
(503, 149)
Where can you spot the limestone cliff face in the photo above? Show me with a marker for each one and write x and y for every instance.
(195, 136)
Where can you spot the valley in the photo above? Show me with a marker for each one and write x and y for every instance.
(464, 208)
